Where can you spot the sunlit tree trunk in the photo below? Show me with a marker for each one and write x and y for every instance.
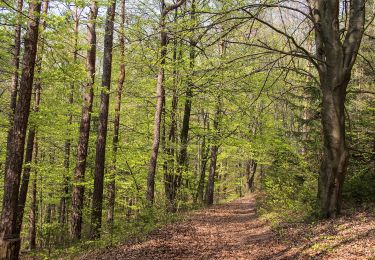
(159, 103)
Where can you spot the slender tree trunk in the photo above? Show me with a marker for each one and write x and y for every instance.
(158, 112)
(209, 199)
(116, 123)
(97, 198)
(210, 188)
(84, 130)
(251, 167)
(204, 159)
(10, 241)
(25, 178)
(182, 157)
(169, 163)
(34, 202)
(63, 208)
(159, 103)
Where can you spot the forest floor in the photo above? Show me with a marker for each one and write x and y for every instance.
(234, 231)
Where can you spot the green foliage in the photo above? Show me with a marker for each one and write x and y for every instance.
(289, 188)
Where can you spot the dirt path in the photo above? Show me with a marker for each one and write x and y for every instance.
(230, 231)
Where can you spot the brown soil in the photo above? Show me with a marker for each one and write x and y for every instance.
(234, 231)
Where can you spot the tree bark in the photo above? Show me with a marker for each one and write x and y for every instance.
(159, 103)
(159, 108)
(116, 123)
(204, 159)
(209, 199)
(10, 241)
(30, 145)
(97, 198)
(84, 130)
(210, 188)
(16, 66)
(182, 157)
(335, 60)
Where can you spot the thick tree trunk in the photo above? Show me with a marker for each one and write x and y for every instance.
(10, 241)
(30, 145)
(116, 123)
(334, 60)
(84, 130)
(335, 153)
(16, 66)
(97, 196)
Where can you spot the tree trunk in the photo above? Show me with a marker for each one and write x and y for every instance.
(159, 103)
(116, 123)
(204, 159)
(34, 203)
(16, 66)
(182, 158)
(209, 199)
(335, 154)
(84, 130)
(66, 179)
(10, 241)
(31, 135)
(169, 164)
(97, 198)
(158, 112)
(334, 60)
(251, 167)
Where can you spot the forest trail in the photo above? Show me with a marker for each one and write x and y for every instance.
(234, 231)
